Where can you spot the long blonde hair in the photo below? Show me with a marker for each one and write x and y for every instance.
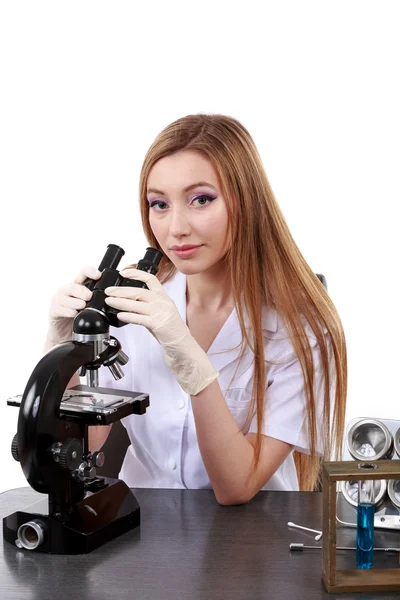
(266, 269)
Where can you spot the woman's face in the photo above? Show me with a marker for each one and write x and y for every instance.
(186, 208)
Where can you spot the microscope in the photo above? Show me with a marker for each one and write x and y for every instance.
(82, 510)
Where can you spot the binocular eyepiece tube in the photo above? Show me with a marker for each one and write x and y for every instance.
(93, 323)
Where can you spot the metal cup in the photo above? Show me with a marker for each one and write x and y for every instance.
(370, 439)
(393, 490)
(350, 492)
(397, 442)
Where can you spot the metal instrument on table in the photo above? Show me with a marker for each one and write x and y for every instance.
(297, 547)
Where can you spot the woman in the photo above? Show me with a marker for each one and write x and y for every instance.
(236, 340)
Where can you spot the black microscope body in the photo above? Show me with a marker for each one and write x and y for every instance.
(83, 510)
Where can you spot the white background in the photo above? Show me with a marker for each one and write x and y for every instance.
(85, 88)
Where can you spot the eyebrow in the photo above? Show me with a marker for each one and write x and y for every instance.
(186, 189)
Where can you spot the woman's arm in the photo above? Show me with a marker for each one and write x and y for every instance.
(228, 454)
(97, 434)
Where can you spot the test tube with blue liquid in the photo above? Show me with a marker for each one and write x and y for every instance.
(365, 524)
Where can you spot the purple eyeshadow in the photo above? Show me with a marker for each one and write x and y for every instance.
(213, 196)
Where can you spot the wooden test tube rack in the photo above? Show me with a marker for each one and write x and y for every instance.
(352, 580)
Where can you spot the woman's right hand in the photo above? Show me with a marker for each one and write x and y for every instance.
(65, 305)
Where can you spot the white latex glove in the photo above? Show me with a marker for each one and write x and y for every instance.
(154, 309)
(65, 305)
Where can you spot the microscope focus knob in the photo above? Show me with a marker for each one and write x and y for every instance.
(70, 454)
(98, 459)
(14, 448)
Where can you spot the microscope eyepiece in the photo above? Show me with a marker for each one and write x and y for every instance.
(112, 257)
(150, 261)
(110, 260)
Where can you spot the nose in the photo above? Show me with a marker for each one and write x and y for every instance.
(179, 223)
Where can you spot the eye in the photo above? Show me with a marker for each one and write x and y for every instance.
(203, 199)
(158, 203)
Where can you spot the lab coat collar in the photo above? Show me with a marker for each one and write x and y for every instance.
(226, 346)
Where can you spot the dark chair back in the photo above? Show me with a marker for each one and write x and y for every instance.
(322, 279)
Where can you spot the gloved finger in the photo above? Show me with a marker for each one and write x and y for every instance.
(69, 302)
(134, 319)
(62, 312)
(87, 272)
(126, 305)
(150, 280)
(75, 290)
(132, 293)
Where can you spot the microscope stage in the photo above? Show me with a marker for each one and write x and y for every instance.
(97, 406)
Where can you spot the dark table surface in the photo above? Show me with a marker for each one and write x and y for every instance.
(188, 546)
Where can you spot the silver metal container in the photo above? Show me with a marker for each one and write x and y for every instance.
(393, 490)
(350, 492)
(397, 442)
(369, 439)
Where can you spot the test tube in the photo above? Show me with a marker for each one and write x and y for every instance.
(365, 524)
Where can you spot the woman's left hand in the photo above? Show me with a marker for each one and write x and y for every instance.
(152, 308)
(156, 311)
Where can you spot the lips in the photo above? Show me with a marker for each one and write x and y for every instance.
(185, 247)
(188, 252)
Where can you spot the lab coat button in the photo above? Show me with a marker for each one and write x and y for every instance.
(181, 404)
(172, 464)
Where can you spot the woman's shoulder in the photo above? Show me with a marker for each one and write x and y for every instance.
(278, 342)
(274, 322)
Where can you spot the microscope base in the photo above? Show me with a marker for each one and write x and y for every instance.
(95, 520)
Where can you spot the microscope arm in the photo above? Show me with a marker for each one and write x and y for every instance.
(39, 425)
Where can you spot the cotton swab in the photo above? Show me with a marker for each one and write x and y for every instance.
(317, 537)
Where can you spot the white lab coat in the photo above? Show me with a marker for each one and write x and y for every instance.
(164, 452)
